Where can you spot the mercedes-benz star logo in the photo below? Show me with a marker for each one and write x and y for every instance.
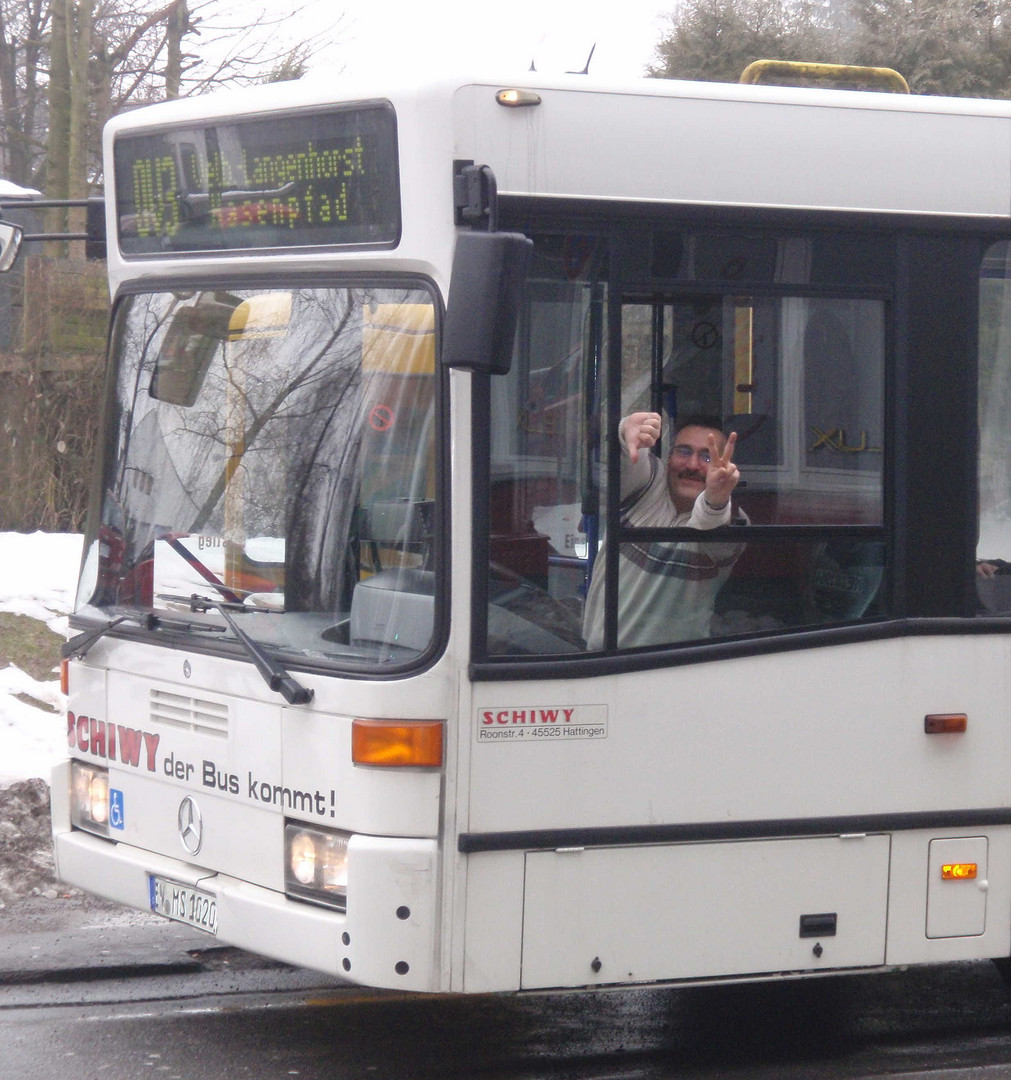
(191, 825)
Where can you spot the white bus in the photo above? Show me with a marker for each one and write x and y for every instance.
(331, 696)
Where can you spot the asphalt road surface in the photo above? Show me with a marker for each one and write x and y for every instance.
(88, 992)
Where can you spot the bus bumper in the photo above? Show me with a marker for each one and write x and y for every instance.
(383, 945)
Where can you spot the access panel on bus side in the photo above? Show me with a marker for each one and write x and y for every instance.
(692, 911)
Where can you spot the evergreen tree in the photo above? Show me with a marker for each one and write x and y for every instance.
(954, 47)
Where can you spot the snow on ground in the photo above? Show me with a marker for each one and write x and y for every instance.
(38, 577)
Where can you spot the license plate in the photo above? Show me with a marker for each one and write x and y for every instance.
(184, 904)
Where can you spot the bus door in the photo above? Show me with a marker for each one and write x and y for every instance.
(543, 499)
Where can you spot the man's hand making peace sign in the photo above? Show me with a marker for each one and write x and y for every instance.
(723, 473)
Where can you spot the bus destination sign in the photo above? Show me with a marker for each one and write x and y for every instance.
(311, 179)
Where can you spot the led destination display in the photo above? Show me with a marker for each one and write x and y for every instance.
(313, 179)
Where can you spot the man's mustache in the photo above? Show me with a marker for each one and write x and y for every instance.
(691, 474)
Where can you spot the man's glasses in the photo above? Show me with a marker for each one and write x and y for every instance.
(685, 453)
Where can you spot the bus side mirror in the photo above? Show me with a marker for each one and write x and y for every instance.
(94, 245)
(10, 244)
(489, 272)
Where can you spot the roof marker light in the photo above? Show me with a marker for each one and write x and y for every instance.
(514, 99)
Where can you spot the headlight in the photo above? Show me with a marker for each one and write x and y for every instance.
(316, 865)
(89, 798)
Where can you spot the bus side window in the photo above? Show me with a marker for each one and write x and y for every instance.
(814, 459)
(993, 550)
(541, 413)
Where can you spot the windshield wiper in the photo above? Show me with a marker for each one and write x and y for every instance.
(78, 646)
(274, 674)
(160, 622)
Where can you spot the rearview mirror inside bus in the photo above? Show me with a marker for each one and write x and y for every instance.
(194, 334)
(489, 271)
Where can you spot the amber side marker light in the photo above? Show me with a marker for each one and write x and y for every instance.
(64, 676)
(397, 743)
(516, 99)
(945, 723)
(959, 871)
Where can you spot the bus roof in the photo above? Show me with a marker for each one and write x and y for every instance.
(752, 146)
(647, 141)
(315, 89)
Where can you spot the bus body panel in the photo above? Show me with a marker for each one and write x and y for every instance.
(796, 148)
(704, 749)
(641, 913)
(703, 910)
(491, 951)
(251, 767)
(257, 754)
(242, 840)
(700, 761)
(930, 919)
(423, 696)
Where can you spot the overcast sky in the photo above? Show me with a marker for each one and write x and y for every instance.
(556, 34)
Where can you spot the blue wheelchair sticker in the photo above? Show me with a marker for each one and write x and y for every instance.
(116, 811)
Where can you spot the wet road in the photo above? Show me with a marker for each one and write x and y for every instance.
(163, 1003)
(957, 1024)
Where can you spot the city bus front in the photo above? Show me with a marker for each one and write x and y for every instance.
(257, 685)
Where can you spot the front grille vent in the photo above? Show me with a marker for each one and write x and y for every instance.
(189, 713)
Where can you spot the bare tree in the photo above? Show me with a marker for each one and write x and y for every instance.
(235, 49)
(24, 27)
(67, 66)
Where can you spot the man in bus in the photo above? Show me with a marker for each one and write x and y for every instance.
(666, 592)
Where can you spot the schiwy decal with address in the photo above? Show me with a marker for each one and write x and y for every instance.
(548, 723)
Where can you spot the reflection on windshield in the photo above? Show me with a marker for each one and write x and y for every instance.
(274, 449)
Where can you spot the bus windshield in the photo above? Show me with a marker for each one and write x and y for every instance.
(273, 451)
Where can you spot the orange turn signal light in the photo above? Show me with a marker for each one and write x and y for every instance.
(959, 871)
(65, 676)
(945, 723)
(397, 743)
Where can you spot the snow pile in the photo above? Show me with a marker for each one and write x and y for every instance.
(26, 848)
(38, 577)
(38, 574)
